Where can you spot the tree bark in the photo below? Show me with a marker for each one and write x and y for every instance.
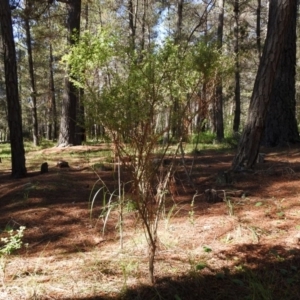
(80, 134)
(279, 15)
(80, 128)
(176, 126)
(237, 90)
(32, 79)
(202, 114)
(258, 30)
(70, 101)
(218, 114)
(132, 24)
(68, 115)
(12, 94)
(178, 35)
(145, 6)
(52, 123)
(281, 124)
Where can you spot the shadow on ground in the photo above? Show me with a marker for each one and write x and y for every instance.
(260, 273)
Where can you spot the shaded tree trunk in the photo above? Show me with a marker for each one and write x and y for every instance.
(80, 128)
(218, 114)
(86, 15)
(32, 79)
(145, 6)
(281, 124)
(132, 24)
(70, 101)
(176, 125)
(202, 115)
(52, 118)
(279, 17)
(237, 89)
(68, 115)
(204, 118)
(12, 94)
(258, 30)
(179, 21)
(80, 134)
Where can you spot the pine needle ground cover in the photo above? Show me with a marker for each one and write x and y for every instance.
(245, 246)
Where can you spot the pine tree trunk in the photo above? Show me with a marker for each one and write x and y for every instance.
(52, 101)
(12, 94)
(279, 15)
(237, 90)
(281, 124)
(132, 24)
(80, 134)
(68, 115)
(218, 114)
(179, 21)
(258, 30)
(202, 115)
(32, 82)
(176, 126)
(70, 101)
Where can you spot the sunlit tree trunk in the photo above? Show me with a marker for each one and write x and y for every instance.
(12, 94)
(280, 13)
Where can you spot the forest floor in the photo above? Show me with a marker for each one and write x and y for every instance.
(246, 247)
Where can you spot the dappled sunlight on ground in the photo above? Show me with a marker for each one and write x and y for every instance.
(206, 250)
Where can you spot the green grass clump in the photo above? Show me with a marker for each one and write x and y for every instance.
(203, 138)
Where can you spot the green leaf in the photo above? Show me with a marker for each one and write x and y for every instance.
(239, 268)
(207, 249)
(280, 214)
(200, 266)
(258, 204)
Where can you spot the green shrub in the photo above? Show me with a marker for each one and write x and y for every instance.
(12, 242)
